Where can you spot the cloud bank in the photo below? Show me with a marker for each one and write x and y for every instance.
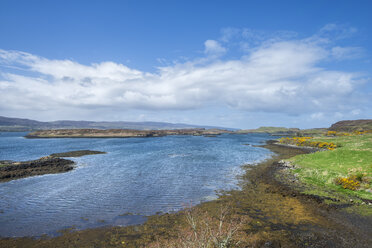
(277, 75)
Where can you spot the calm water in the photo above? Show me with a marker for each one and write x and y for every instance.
(137, 175)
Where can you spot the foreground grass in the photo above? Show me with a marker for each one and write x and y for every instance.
(352, 157)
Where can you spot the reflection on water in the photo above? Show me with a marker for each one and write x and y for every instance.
(137, 175)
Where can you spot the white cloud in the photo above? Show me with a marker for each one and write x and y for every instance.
(355, 112)
(335, 31)
(317, 116)
(341, 53)
(228, 33)
(280, 76)
(214, 48)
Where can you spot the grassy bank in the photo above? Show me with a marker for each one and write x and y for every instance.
(343, 173)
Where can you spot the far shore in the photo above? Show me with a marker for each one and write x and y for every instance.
(121, 133)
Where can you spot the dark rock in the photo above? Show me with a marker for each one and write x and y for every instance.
(46, 165)
(75, 153)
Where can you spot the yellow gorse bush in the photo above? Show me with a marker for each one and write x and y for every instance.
(334, 133)
(348, 182)
(305, 141)
(331, 133)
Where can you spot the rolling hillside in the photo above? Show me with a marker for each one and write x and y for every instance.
(18, 124)
(352, 125)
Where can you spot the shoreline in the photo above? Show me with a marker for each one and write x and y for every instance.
(279, 215)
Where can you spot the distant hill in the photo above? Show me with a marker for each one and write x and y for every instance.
(18, 124)
(352, 125)
(271, 130)
(285, 131)
(341, 126)
(122, 133)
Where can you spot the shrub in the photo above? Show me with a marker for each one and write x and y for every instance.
(204, 230)
(350, 182)
(331, 133)
(334, 133)
(305, 141)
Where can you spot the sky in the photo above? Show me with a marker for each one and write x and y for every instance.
(239, 64)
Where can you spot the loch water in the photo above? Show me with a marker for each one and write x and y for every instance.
(140, 176)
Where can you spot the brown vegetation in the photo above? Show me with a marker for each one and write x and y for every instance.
(205, 231)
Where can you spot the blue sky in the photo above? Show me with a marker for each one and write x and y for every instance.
(239, 64)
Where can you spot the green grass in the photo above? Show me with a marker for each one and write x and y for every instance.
(352, 157)
(313, 131)
(273, 129)
(269, 130)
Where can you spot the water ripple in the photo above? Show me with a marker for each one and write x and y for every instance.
(144, 176)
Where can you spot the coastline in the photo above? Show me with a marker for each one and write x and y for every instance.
(278, 215)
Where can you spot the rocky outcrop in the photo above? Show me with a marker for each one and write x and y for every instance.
(10, 170)
(75, 153)
(54, 163)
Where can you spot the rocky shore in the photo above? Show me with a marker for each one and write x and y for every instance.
(11, 170)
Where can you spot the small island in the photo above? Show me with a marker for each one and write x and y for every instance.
(78, 153)
(54, 163)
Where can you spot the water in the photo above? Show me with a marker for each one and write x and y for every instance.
(137, 175)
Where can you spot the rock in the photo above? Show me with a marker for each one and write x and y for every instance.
(271, 244)
(45, 165)
(53, 163)
(287, 164)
